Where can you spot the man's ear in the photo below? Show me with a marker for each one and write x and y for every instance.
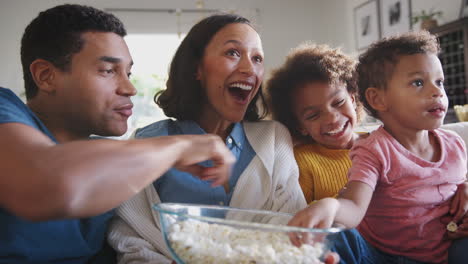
(43, 73)
(376, 99)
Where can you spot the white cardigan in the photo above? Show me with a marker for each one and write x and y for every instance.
(270, 182)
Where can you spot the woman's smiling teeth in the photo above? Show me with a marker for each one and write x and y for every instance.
(242, 86)
(240, 91)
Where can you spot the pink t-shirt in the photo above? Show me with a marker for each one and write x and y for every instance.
(410, 194)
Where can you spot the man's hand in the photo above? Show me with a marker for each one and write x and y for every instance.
(206, 147)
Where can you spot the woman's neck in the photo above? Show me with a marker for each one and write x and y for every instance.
(217, 126)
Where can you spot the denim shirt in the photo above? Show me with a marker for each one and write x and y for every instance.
(181, 187)
(70, 241)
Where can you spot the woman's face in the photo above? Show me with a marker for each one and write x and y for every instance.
(231, 72)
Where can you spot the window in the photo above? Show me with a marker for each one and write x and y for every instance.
(152, 54)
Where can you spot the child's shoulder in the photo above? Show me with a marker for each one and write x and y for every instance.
(370, 137)
(446, 133)
(362, 135)
(449, 136)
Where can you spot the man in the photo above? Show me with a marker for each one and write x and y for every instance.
(56, 186)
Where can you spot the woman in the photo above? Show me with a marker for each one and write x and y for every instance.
(214, 86)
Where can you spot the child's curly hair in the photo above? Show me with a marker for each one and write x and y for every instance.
(376, 65)
(306, 64)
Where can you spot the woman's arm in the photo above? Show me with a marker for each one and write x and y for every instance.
(287, 194)
(130, 247)
(135, 231)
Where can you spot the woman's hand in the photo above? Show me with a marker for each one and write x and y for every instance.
(320, 214)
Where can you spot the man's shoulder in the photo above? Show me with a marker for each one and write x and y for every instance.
(12, 108)
(8, 95)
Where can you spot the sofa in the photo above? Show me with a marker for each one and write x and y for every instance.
(461, 128)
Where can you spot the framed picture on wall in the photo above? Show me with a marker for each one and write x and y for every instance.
(366, 24)
(395, 16)
(464, 8)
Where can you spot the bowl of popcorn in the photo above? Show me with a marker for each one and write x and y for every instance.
(219, 234)
(461, 111)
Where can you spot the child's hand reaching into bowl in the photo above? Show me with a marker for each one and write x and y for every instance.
(320, 214)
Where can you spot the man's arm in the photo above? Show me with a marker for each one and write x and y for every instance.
(40, 180)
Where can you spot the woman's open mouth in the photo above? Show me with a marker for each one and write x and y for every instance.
(240, 92)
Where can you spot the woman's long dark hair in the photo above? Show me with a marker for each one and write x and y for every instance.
(184, 95)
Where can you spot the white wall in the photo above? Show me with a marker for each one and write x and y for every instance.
(450, 12)
(283, 24)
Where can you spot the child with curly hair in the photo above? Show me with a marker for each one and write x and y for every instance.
(314, 95)
(404, 176)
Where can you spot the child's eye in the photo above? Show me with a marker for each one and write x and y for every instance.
(129, 74)
(440, 83)
(418, 83)
(313, 116)
(339, 103)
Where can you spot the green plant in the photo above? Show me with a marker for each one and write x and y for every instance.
(426, 15)
(148, 85)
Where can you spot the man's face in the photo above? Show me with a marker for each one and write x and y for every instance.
(95, 93)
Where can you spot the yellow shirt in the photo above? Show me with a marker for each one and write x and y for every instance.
(322, 171)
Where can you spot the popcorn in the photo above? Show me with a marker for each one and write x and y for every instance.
(200, 242)
(452, 226)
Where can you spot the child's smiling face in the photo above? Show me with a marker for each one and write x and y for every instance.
(325, 112)
(415, 96)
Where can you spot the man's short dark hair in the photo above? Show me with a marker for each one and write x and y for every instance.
(55, 35)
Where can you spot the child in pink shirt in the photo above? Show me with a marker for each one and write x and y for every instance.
(404, 176)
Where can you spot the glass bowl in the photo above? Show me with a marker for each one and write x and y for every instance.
(220, 234)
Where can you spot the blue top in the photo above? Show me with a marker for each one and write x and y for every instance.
(59, 241)
(181, 187)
